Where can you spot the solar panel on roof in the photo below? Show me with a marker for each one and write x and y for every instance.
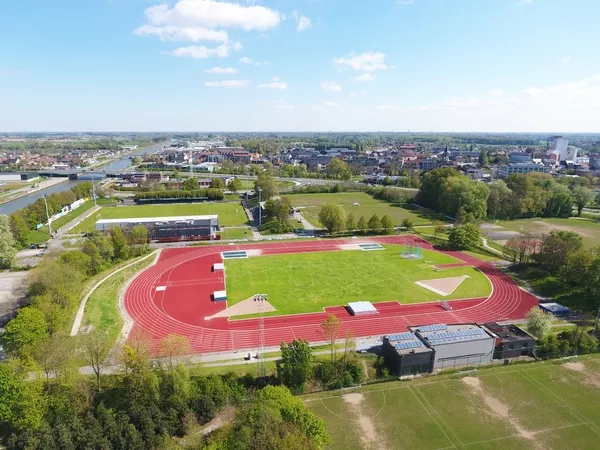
(435, 327)
(407, 345)
(401, 337)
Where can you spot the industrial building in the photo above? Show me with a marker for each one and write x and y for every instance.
(521, 168)
(169, 229)
(511, 341)
(435, 347)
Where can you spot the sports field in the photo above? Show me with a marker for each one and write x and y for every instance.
(308, 282)
(589, 230)
(230, 214)
(549, 405)
(367, 206)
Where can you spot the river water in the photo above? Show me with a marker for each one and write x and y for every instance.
(119, 164)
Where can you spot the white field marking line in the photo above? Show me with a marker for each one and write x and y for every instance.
(546, 430)
(574, 412)
(435, 421)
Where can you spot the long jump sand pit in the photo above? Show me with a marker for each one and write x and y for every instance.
(243, 308)
(442, 286)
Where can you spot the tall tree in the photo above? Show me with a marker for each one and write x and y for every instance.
(556, 248)
(464, 237)
(191, 184)
(333, 217)
(331, 327)
(235, 185)
(295, 367)
(119, 243)
(362, 224)
(387, 224)
(581, 197)
(350, 223)
(77, 260)
(267, 183)
(559, 202)
(7, 243)
(499, 200)
(138, 235)
(172, 347)
(94, 348)
(217, 183)
(374, 224)
(20, 228)
(25, 332)
(339, 169)
(539, 322)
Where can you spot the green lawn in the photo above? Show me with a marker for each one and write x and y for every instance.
(588, 229)
(236, 233)
(317, 280)
(101, 309)
(540, 405)
(368, 207)
(230, 214)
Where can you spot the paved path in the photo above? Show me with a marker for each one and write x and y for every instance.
(305, 223)
(79, 315)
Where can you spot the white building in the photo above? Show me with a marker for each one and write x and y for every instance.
(560, 146)
(522, 168)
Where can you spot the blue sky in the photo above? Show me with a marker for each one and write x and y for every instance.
(300, 65)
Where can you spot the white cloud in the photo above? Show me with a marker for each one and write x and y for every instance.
(173, 33)
(302, 22)
(221, 70)
(282, 104)
(228, 84)
(202, 52)
(250, 61)
(332, 105)
(565, 59)
(365, 62)
(366, 77)
(387, 108)
(331, 86)
(275, 83)
(495, 92)
(213, 14)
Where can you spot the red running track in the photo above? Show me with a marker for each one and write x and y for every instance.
(186, 273)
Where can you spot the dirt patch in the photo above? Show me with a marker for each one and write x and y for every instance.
(223, 418)
(442, 286)
(367, 427)
(576, 366)
(590, 378)
(498, 408)
(248, 306)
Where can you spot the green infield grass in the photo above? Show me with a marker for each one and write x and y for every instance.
(361, 204)
(549, 405)
(308, 282)
(236, 233)
(230, 214)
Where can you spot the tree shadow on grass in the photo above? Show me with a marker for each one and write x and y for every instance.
(426, 215)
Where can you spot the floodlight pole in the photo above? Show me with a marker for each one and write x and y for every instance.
(94, 192)
(259, 208)
(47, 215)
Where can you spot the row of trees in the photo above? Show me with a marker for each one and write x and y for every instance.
(209, 194)
(517, 196)
(334, 218)
(26, 219)
(55, 287)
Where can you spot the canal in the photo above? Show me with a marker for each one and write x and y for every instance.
(119, 164)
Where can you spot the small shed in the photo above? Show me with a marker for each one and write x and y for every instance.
(219, 296)
(555, 309)
(361, 308)
(218, 266)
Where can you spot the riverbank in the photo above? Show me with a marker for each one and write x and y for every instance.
(31, 190)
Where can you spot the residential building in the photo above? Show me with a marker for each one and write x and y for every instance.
(520, 168)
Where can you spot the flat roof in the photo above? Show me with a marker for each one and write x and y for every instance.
(554, 307)
(406, 343)
(220, 294)
(452, 334)
(158, 219)
(363, 306)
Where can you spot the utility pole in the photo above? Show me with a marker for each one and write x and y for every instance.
(94, 192)
(260, 354)
(259, 208)
(48, 215)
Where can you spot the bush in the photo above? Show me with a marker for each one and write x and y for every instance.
(208, 194)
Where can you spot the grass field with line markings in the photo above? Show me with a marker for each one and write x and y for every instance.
(368, 206)
(230, 214)
(544, 405)
(320, 279)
